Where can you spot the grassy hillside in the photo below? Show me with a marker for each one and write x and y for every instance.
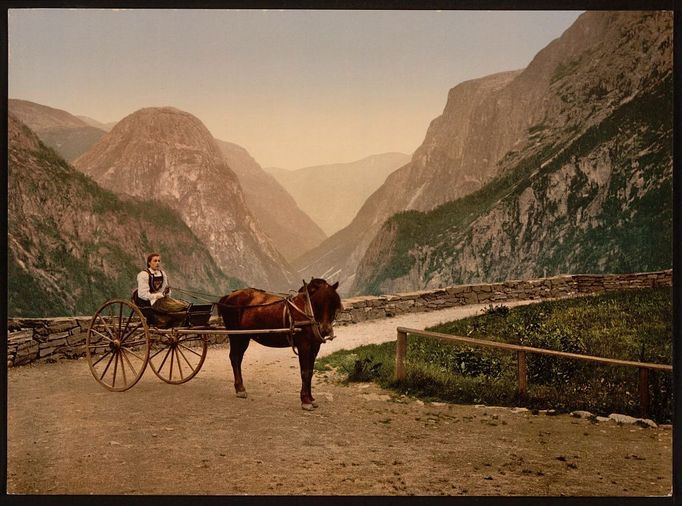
(631, 325)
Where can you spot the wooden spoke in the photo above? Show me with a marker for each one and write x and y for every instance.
(126, 334)
(134, 355)
(189, 349)
(177, 355)
(101, 358)
(184, 357)
(120, 317)
(123, 353)
(106, 326)
(115, 369)
(165, 358)
(172, 350)
(123, 334)
(102, 335)
(107, 367)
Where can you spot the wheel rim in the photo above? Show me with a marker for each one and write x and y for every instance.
(117, 345)
(177, 358)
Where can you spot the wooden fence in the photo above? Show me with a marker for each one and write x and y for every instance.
(521, 351)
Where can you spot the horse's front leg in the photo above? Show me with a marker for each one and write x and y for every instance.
(238, 345)
(304, 360)
(314, 349)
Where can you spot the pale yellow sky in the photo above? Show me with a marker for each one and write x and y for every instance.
(295, 88)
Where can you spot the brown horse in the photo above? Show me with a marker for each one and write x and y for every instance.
(312, 311)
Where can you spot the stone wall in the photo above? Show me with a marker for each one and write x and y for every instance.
(50, 339)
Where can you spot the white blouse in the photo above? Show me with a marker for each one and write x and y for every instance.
(143, 286)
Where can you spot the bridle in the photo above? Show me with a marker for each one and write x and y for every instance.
(311, 320)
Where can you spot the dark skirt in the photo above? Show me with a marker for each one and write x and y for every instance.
(170, 312)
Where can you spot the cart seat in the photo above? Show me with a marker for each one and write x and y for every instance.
(197, 315)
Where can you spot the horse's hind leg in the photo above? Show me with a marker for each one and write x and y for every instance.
(238, 345)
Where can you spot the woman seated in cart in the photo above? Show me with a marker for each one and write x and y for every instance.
(153, 290)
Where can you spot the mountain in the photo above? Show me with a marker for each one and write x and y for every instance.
(168, 155)
(291, 230)
(67, 134)
(588, 188)
(345, 187)
(73, 245)
(97, 124)
(491, 125)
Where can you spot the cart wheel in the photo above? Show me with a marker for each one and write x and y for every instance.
(177, 358)
(117, 345)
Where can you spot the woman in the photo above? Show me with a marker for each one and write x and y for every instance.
(153, 289)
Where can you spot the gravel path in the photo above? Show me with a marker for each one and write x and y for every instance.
(68, 435)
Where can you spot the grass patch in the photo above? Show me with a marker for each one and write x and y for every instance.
(630, 325)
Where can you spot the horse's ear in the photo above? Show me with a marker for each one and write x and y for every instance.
(335, 285)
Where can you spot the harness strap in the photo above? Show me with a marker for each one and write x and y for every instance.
(290, 335)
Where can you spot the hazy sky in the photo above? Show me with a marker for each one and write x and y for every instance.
(295, 88)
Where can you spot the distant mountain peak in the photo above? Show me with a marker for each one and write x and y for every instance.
(169, 154)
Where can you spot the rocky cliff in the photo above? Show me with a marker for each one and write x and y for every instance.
(170, 156)
(586, 188)
(333, 194)
(68, 135)
(72, 245)
(490, 125)
(291, 230)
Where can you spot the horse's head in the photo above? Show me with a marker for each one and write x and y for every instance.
(325, 302)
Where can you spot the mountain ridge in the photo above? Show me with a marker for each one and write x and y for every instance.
(72, 244)
(564, 208)
(169, 155)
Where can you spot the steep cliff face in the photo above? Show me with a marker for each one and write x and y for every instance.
(169, 155)
(68, 135)
(333, 194)
(72, 245)
(491, 124)
(588, 190)
(291, 230)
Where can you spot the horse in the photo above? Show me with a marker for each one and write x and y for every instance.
(309, 314)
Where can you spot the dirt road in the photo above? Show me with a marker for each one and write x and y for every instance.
(68, 435)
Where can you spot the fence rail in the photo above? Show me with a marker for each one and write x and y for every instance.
(521, 351)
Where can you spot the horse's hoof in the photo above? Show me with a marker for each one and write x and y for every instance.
(314, 404)
(241, 395)
(307, 407)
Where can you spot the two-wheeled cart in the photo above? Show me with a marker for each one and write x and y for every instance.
(123, 338)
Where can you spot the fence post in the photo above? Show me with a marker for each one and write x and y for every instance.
(644, 392)
(400, 352)
(522, 374)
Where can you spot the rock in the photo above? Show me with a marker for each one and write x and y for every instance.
(646, 423)
(581, 414)
(618, 418)
(61, 325)
(22, 336)
(602, 418)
